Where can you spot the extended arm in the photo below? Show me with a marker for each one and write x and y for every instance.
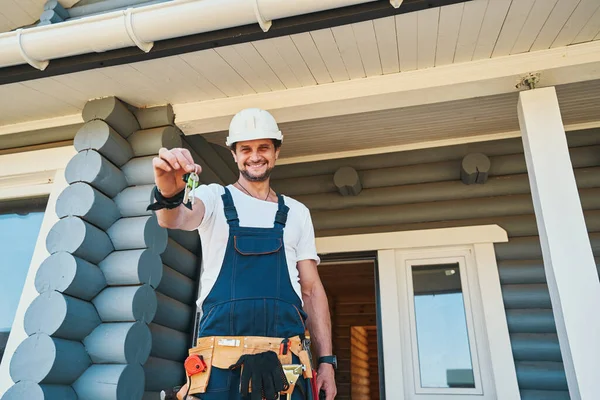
(169, 168)
(319, 322)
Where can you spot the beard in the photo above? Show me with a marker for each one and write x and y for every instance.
(256, 178)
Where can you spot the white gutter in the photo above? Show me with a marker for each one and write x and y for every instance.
(143, 26)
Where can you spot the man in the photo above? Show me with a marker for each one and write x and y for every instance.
(259, 264)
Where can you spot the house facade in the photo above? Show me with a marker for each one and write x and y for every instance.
(449, 153)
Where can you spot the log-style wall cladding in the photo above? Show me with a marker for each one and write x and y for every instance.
(114, 315)
(422, 189)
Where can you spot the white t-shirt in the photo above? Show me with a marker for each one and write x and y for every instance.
(298, 234)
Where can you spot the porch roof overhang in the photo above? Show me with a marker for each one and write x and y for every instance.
(432, 76)
(176, 27)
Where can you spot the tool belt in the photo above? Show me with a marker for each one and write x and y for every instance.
(225, 351)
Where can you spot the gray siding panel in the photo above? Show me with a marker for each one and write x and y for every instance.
(148, 141)
(421, 189)
(98, 135)
(168, 343)
(177, 286)
(33, 391)
(132, 267)
(544, 395)
(530, 321)
(119, 343)
(126, 304)
(82, 200)
(180, 259)
(539, 346)
(90, 167)
(526, 296)
(172, 313)
(161, 373)
(79, 238)
(61, 316)
(112, 111)
(541, 375)
(70, 275)
(138, 171)
(58, 361)
(111, 381)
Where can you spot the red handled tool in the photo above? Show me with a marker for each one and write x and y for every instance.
(195, 364)
(313, 385)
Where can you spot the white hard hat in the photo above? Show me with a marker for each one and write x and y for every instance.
(252, 124)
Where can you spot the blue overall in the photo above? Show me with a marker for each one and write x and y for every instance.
(253, 295)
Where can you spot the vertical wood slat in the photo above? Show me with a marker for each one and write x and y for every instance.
(450, 22)
(290, 54)
(590, 30)
(359, 356)
(310, 54)
(427, 26)
(269, 52)
(554, 24)
(249, 53)
(385, 31)
(582, 14)
(473, 20)
(237, 62)
(206, 89)
(495, 14)
(164, 78)
(406, 33)
(329, 51)
(127, 76)
(364, 34)
(218, 72)
(515, 20)
(535, 21)
(348, 49)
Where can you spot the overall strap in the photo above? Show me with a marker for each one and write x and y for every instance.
(282, 212)
(230, 212)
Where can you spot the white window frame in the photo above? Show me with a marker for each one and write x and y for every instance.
(478, 241)
(473, 314)
(26, 175)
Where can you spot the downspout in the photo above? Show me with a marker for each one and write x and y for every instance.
(143, 26)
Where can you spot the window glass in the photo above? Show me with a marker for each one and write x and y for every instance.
(19, 230)
(442, 337)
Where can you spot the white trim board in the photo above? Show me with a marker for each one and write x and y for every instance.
(32, 173)
(412, 239)
(41, 124)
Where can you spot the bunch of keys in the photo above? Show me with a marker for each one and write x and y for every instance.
(190, 186)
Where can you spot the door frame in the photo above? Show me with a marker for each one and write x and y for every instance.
(480, 240)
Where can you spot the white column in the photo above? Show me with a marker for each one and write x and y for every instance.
(568, 259)
(17, 332)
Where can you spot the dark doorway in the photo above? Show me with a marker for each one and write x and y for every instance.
(351, 290)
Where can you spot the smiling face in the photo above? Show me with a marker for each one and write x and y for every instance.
(255, 159)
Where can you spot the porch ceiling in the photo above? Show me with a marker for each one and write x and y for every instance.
(381, 131)
(462, 32)
(458, 34)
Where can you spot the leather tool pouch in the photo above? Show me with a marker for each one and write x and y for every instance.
(199, 381)
(305, 360)
(222, 352)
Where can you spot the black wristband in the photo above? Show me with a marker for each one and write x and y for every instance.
(165, 202)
